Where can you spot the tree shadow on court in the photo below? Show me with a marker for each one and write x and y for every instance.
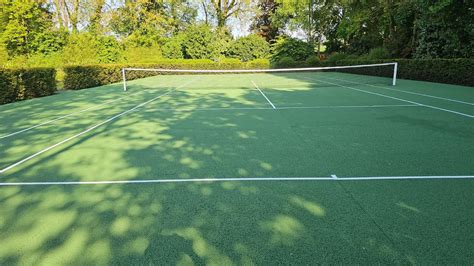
(191, 223)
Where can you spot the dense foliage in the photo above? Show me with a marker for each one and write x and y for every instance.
(249, 48)
(21, 84)
(64, 32)
(294, 49)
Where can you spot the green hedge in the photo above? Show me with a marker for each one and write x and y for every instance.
(21, 84)
(81, 77)
(452, 71)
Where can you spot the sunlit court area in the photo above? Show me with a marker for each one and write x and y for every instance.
(240, 168)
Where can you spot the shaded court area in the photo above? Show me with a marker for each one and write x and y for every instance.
(372, 173)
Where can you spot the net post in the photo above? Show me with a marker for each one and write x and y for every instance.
(124, 80)
(395, 69)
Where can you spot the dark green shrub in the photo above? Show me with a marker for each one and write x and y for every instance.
(80, 77)
(199, 42)
(352, 57)
(293, 48)
(8, 86)
(173, 48)
(38, 82)
(248, 48)
(312, 61)
(109, 50)
(337, 57)
(285, 62)
(378, 53)
(21, 84)
(452, 71)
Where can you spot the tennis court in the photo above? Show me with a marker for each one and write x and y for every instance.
(298, 168)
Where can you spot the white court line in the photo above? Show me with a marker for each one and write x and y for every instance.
(333, 178)
(87, 130)
(268, 100)
(281, 108)
(409, 92)
(348, 106)
(394, 98)
(65, 116)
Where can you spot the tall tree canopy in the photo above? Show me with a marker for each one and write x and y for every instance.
(114, 29)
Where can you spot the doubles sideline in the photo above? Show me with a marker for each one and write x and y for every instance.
(390, 97)
(408, 92)
(65, 116)
(332, 178)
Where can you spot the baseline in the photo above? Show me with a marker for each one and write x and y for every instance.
(282, 107)
(332, 178)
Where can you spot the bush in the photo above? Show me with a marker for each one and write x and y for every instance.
(21, 84)
(452, 71)
(81, 77)
(378, 53)
(230, 63)
(81, 49)
(258, 64)
(173, 48)
(143, 54)
(248, 48)
(286, 62)
(3, 55)
(199, 43)
(109, 50)
(336, 57)
(312, 61)
(291, 48)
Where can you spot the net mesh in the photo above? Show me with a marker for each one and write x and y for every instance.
(376, 74)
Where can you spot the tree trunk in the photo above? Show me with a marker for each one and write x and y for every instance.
(206, 14)
(73, 16)
(319, 46)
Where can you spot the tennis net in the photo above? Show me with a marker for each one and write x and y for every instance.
(383, 74)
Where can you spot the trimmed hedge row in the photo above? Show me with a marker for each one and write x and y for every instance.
(22, 84)
(452, 71)
(81, 77)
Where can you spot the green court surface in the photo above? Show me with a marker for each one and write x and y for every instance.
(289, 168)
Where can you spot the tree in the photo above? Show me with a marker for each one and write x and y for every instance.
(199, 43)
(173, 48)
(222, 10)
(27, 22)
(286, 47)
(311, 16)
(149, 22)
(446, 29)
(249, 48)
(263, 20)
(95, 18)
